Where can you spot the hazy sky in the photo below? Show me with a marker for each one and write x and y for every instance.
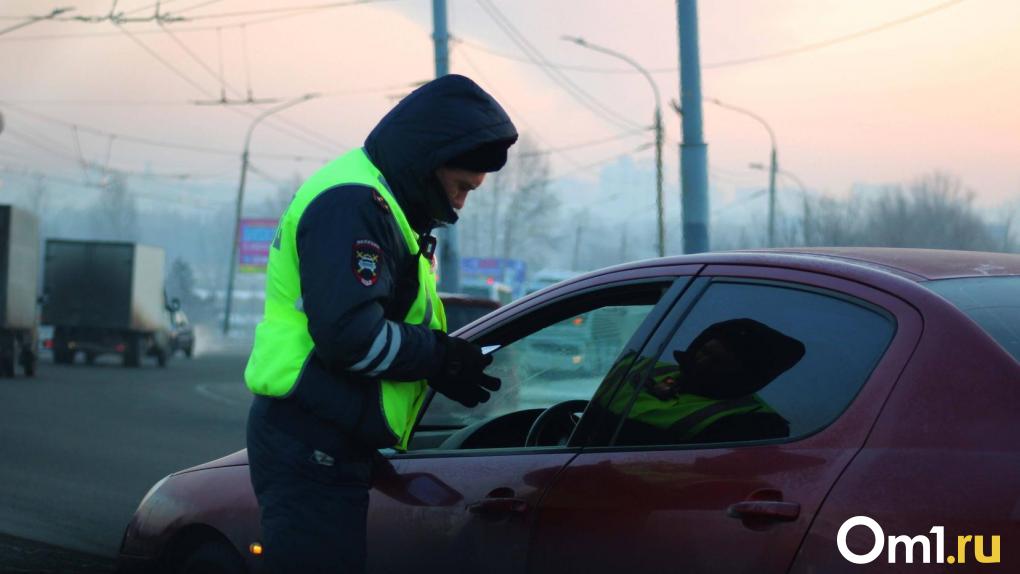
(938, 92)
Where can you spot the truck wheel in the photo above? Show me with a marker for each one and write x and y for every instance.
(161, 357)
(90, 358)
(7, 356)
(188, 350)
(7, 366)
(28, 361)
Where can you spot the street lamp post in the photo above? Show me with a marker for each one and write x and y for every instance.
(773, 166)
(803, 193)
(658, 130)
(240, 198)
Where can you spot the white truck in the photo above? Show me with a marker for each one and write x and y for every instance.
(106, 297)
(19, 272)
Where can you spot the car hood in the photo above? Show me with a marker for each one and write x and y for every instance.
(239, 458)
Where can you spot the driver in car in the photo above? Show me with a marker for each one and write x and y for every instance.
(709, 393)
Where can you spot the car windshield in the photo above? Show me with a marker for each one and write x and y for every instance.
(992, 302)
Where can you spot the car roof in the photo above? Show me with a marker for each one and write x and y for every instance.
(922, 264)
(914, 264)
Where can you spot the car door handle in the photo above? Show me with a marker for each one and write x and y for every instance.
(768, 509)
(500, 501)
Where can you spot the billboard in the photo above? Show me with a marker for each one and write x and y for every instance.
(256, 237)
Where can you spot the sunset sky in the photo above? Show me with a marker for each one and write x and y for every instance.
(939, 92)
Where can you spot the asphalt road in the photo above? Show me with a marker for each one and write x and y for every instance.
(80, 445)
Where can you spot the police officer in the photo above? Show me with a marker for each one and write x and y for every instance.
(354, 330)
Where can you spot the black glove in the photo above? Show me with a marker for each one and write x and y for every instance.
(460, 375)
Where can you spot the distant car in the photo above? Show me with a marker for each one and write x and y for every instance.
(182, 334)
(493, 290)
(462, 309)
(834, 384)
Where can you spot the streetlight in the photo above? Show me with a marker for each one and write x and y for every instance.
(240, 196)
(658, 129)
(773, 166)
(803, 193)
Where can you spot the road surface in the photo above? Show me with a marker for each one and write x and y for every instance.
(82, 444)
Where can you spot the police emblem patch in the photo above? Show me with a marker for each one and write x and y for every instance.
(367, 258)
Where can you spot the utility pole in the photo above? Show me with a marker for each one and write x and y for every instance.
(773, 166)
(240, 200)
(773, 171)
(575, 262)
(449, 254)
(772, 196)
(657, 127)
(694, 152)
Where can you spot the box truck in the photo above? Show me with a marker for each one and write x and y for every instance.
(106, 297)
(19, 294)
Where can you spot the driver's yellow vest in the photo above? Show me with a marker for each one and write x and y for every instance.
(685, 414)
(282, 341)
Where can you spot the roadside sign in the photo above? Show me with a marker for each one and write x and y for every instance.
(253, 248)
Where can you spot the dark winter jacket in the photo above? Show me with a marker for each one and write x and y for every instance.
(354, 325)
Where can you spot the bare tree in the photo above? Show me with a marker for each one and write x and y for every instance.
(830, 221)
(935, 212)
(514, 214)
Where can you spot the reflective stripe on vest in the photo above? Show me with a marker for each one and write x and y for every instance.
(282, 342)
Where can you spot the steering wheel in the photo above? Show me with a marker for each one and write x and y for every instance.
(561, 417)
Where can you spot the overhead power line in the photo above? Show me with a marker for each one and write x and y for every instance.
(584, 144)
(285, 13)
(193, 199)
(159, 143)
(583, 97)
(810, 47)
(833, 41)
(288, 9)
(29, 20)
(330, 146)
(506, 102)
(600, 162)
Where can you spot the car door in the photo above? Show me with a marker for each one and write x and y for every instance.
(695, 484)
(462, 499)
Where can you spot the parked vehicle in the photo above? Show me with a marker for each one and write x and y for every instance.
(106, 297)
(182, 334)
(841, 383)
(462, 309)
(19, 271)
(492, 290)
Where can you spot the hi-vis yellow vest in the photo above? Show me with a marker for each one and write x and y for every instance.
(685, 415)
(282, 342)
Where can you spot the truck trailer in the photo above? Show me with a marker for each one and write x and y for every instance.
(106, 297)
(19, 273)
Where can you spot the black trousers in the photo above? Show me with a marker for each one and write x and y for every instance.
(313, 502)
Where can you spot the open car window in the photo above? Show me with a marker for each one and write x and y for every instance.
(560, 352)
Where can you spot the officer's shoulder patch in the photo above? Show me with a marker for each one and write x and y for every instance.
(367, 258)
(380, 201)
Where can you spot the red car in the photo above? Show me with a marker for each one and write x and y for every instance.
(802, 410)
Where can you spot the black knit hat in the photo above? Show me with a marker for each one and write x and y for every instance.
(487, 157)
